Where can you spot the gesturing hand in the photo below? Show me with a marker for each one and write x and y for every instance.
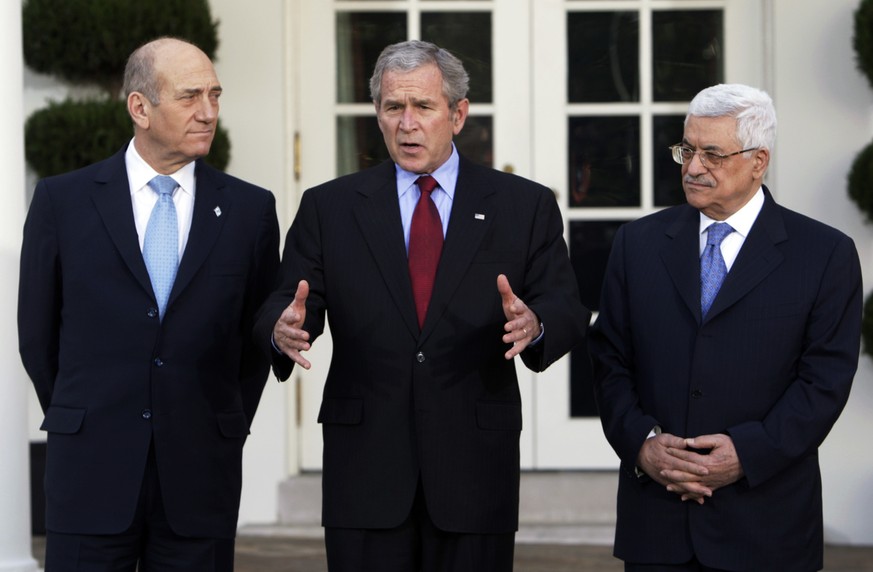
(522, 325)
(288, 334)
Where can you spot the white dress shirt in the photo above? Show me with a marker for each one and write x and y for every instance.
(143, 198)
(741, 221)
(407, 192)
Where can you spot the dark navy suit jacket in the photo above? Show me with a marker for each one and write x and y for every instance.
(113, 379)
(771, 365)
(441, 404)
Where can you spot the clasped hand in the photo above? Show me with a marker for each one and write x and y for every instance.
(684, 467)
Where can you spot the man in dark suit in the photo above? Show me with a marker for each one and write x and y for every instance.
(421, 412)
(148, 385)
(721, 368)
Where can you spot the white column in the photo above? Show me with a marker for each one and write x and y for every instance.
(15, 543)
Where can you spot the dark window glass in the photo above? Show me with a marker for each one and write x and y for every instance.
(359, 144)
(687, 53)
(361, 37)
(468, 36)
(590, 243)
(603, 57)
(667, 130)
(604, 161)
(476, 140)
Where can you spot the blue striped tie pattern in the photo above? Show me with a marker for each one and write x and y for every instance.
(712, 266)
(161, 244)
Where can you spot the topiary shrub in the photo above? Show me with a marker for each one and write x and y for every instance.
(54, 143)
(87, 42)
(861, 174)
(861, 181)
(862, 41)
(867, 326)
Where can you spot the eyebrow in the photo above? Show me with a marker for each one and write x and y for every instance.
(199, 90)
(412, 100)
(686, 143)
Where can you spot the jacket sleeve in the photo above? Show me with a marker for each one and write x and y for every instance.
(550, 288)
(300, 260)
(39, 296)
(262, 280)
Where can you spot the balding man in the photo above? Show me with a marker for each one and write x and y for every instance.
(140, 276)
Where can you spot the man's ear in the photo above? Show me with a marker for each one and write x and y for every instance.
(139, 108)
(762, 161)
(460, 112)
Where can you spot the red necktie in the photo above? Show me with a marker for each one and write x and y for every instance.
(425, 246)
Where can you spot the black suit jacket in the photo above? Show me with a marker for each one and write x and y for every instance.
(112, 378)
(771, 365)
(441, 404)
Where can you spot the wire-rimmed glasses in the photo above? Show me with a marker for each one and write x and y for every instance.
(709, 159)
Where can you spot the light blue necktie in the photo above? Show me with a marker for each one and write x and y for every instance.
(161, 244)
(712, 266)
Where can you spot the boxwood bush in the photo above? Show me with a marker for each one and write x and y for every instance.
(72, 134)
(87, 42)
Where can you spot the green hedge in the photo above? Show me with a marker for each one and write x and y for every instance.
(863, 39)
(87, 42)
(72, 134)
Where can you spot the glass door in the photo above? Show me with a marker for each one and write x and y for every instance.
(583, 96)
(340, 42)
(611, 82)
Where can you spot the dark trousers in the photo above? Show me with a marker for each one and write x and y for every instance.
(692, 566)
(149, 543)
(417, 545)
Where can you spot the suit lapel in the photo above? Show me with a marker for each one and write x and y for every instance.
(212, 206)
(378, 214)
(757, 258)
(470, 219)
(684, 247)
(111, 197)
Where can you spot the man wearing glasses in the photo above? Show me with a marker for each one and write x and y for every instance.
(724, 352)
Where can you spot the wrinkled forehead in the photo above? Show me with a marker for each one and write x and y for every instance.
(710, 132)
(183, 66)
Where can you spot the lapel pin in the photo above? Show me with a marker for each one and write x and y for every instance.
(479, 216)
(217, 211)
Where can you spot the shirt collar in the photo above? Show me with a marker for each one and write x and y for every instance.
(742, 220)
(139, 173)
(446, 176)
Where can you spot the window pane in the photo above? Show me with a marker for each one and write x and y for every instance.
(468, 36)
(604, 161)
(476, 140)
(667, 130)
(359, 144)
(590, 243)
(361, 37)
(602, 57)
(687, 53)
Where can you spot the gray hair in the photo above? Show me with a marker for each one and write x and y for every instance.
(751, 107)
(139, 73)
(413, 54)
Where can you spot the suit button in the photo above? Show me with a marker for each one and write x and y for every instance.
(153, 313)
(159, 362)
(146, 414)
(696, 394)
(419, 357)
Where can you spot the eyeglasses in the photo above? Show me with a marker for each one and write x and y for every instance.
(709, 159)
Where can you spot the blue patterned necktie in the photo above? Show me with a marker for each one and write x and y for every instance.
(712, 266)
(161, 244)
